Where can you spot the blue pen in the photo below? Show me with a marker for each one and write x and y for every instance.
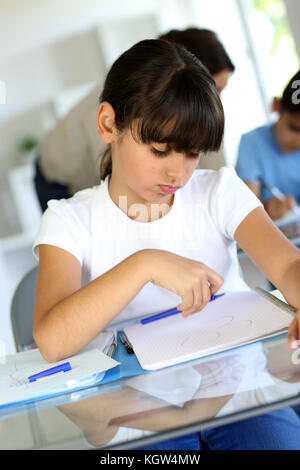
(171, 311)
(53, 370)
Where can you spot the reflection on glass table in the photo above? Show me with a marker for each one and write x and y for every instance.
(159, 405)
(191, 396)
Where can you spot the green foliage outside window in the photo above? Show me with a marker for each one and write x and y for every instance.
(283, 46)
(275, 10)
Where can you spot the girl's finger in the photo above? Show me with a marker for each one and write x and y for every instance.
(197, 301)
(202, 296)
(206, 292)
(215, 280)
(187, 302)
(293, 332)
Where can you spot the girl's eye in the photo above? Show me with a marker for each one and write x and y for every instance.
(163, 153)
(160, 153)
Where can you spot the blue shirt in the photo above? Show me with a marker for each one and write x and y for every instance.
(260, 156)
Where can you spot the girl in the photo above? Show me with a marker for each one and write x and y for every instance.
(155, 233)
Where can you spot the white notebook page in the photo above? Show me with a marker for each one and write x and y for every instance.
(231, 320)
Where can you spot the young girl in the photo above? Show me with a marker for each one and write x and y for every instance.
(155, 233)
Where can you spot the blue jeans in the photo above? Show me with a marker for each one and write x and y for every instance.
(278, 430)
(297, 409)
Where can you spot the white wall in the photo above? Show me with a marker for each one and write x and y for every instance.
(48, 47)
(33, 23)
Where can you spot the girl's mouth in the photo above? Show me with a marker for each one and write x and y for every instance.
(168, 189)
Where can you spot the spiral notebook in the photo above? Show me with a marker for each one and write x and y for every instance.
(233, 320)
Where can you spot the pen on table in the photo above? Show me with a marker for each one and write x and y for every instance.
(277, 193)
(273, 190)
(126, 343)
(53, 370)
(171, 311)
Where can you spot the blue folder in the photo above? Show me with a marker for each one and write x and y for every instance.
(129, 365)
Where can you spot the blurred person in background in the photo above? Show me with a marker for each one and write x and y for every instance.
(269, 156)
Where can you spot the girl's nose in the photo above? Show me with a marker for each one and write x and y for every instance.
(176, 166)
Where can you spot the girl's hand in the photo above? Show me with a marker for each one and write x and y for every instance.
(193, 281)
(294, 332)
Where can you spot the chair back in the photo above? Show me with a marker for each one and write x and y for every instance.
(21, 311)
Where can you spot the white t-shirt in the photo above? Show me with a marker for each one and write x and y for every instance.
(200, 225)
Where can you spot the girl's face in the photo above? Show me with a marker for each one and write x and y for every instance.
(287, 130)
(149, 173)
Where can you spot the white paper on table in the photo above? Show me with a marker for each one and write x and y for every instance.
(235, 319)
(86, 368)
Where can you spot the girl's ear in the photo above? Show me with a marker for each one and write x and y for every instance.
(276, 105)
(106, 122)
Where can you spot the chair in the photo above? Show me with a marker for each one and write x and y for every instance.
(21, 315)
(21, 312)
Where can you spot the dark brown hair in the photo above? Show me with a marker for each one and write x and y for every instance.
(205, 45)
(290, 100)
(169, 94)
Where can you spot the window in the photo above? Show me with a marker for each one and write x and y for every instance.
(274, 44)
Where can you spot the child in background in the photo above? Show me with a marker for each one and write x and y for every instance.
(270, 155)
(155, 233)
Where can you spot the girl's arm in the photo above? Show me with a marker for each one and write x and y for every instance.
(67, 316)
(276, 256)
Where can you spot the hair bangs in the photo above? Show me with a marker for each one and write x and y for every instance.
(182, 115)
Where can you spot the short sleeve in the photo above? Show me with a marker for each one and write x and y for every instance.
(247, 166)
(231, 201)
(59, 227)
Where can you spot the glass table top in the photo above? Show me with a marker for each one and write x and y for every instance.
(136, 411)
